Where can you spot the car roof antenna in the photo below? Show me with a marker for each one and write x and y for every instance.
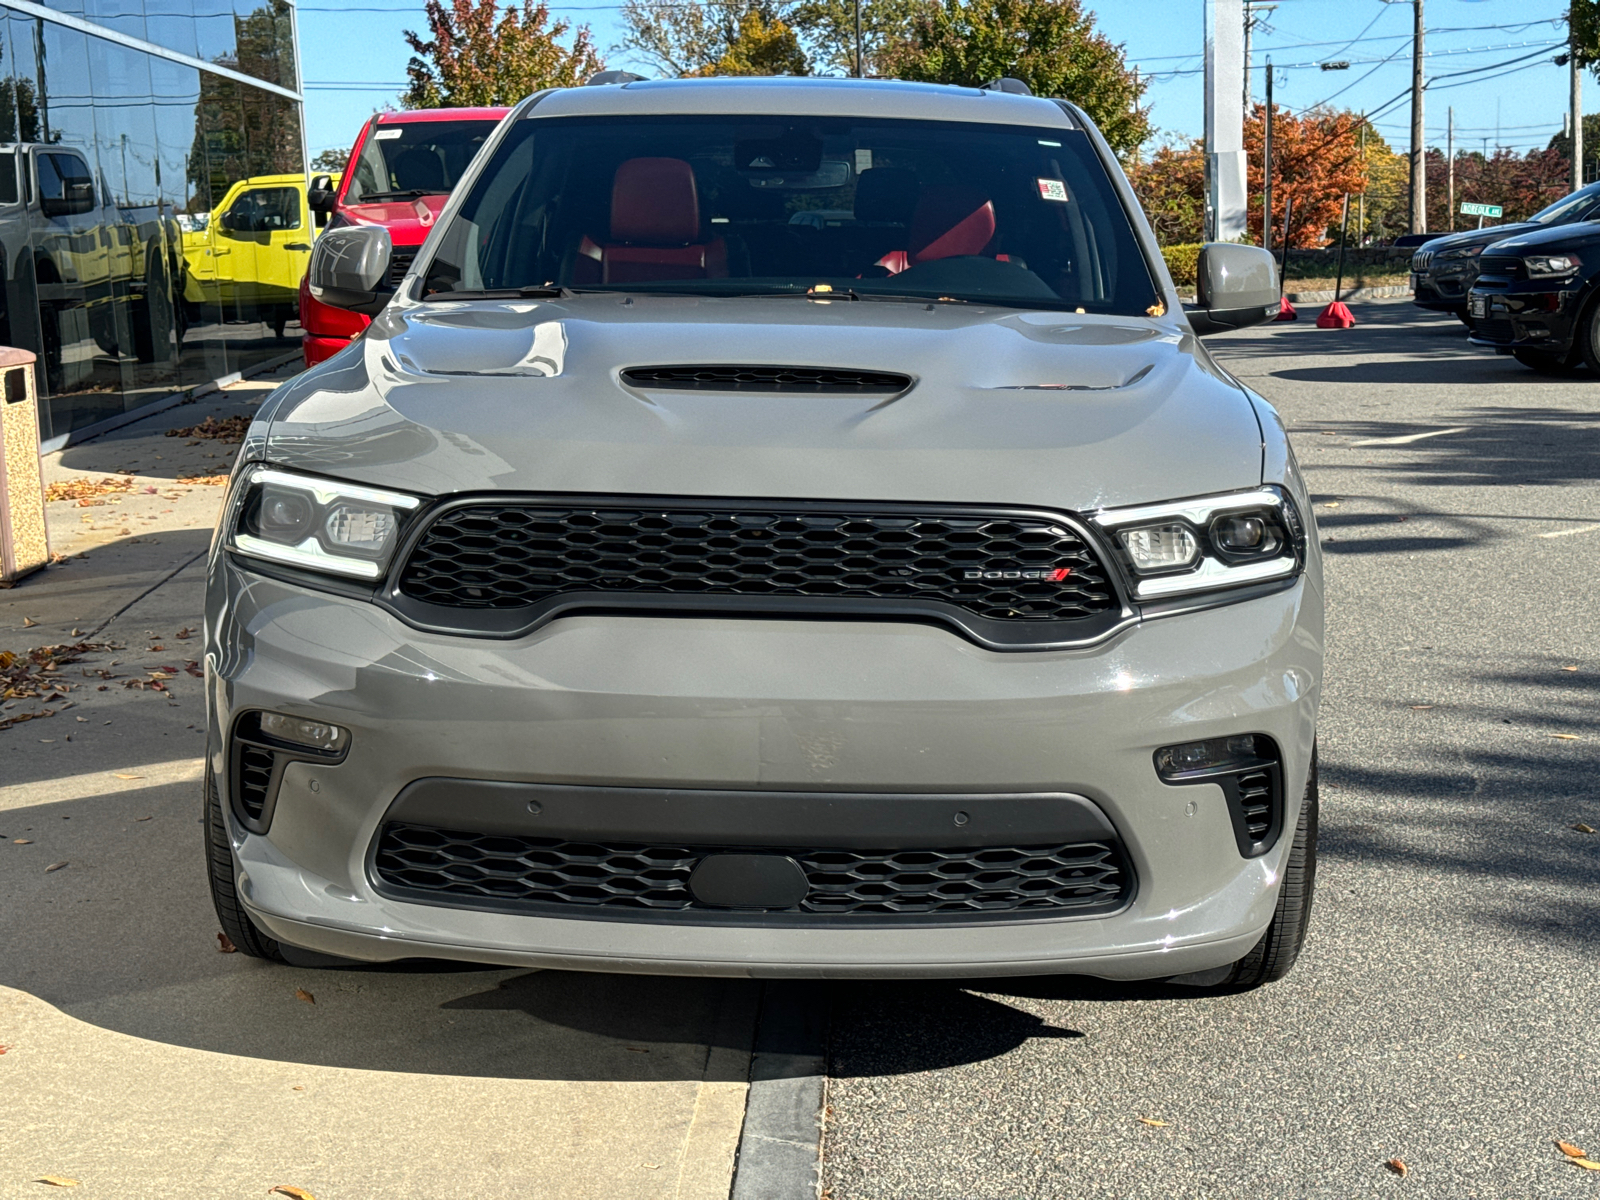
(604, 77)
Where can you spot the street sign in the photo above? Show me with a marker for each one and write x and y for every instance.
(1469, 209)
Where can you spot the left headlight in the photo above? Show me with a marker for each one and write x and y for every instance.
(317, 524)
(1209, 543)
(1551, 266)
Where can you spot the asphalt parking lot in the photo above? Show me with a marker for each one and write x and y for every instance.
(1444, 1013)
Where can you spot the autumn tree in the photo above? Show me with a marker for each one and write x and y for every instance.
(481, 55)
(1521, 184)
(1051, 45)
(761, 47)
(692, 39)
(1171, 186)
(1317, 161)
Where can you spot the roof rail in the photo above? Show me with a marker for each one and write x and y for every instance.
(1007, 84)
(605, 77)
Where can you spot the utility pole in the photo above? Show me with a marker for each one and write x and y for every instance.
(1227, 188)
(1419, 161)
(1450, 167)
(1249, 24)
(1266, 163)
(1577, 111)
(1361, 205)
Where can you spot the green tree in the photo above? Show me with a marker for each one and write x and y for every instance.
(690, 39)
(829, 29)
(330, 161)
(1051, 45)
(761, 47)
(481, 55)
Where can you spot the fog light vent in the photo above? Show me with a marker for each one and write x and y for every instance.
(1249, 770)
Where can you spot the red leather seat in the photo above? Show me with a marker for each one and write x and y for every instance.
(655, 229)
(949, 221)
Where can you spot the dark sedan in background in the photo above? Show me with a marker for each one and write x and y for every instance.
(1444, 270)
(1535, 297)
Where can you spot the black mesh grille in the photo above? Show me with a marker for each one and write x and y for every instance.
(1000, 568)
(729, 378)
(1501, 265)
(254, 777)
(400, 260)
(1496, 329)
(498, 869)
(1256, 803)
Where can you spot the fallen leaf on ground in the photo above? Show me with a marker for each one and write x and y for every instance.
(54, 867)
(184, 633)
(224, 944)
(1398, 1167)
(136, 818)
(299, 1087)
(1153, 1122)
(22, 842)
(284, 1189)
(1565, 737)
(1570, 1150)
(120, 775)
(28, 622)
(229, 429)
(3, 1049)
(205, 480)
(1420, 707)
(302, 994)
(1582, 828)
(57, 1181)
(1569, 668)
(1585, 1164)
(81, 488)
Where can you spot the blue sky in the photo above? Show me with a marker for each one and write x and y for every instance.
(354, 61)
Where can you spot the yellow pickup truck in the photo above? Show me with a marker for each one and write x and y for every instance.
(249, 254)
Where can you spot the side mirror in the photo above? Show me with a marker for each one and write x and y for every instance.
(350, 268)
(320, 194)
(1236, 287)
(79, 199)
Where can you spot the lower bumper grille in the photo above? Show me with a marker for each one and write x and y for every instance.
(1494, 329)
(618, 879)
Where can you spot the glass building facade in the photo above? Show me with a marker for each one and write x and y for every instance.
(153, 223)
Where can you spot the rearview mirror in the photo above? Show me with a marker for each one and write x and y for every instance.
(350, 269)
(1235, 286)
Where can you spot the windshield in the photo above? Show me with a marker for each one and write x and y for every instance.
(417, 158)
(761, 206)
(1580, 206)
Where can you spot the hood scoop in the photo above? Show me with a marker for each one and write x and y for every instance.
(729, 378)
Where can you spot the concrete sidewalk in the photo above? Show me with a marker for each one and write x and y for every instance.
(140, 1060)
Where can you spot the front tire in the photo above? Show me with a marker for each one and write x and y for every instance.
(236, 923)
(1278, 948)
(1560, 365)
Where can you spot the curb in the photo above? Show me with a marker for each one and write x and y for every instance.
(780, 1146)
(1351, 295)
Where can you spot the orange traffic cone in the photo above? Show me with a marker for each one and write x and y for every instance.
(1335, 316)
(1286, 311)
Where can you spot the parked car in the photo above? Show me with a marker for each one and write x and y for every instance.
(1443, 271)
(661, 585)
(400, 173)
(79, 267)
(1535, 298)
(249, 256)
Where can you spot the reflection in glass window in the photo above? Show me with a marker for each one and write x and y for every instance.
(9, 193)
(265, 210)
(65, 178)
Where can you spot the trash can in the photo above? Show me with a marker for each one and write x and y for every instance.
(24, 543)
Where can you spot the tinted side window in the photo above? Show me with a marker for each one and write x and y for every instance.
(265, 210)
(58, 172)
(8, 177)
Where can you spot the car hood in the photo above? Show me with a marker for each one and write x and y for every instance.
(1535, 238)
(1031, 408)
(408, 221)
(1476, 237)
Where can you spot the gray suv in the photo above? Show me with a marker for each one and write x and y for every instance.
(773, 528)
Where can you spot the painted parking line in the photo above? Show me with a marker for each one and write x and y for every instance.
(1570, 532)
(1407, 439)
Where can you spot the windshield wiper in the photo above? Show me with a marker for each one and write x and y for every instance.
(411, 194)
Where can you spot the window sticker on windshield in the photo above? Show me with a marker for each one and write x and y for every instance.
(385, 134)
(1053, 189)
(863, 161)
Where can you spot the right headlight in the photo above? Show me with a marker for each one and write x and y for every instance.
(317, 524)
(1208, 543)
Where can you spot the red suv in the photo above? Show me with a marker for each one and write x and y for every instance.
(399, 175)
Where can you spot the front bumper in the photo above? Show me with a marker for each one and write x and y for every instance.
(1442, 293)
(766, 706)
(1526, 315)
